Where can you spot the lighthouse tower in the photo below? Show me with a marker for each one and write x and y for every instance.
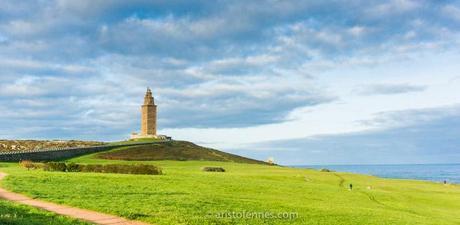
(148, 119)
(149, 115)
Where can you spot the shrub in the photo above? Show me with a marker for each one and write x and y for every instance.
(96, 168)
(326, 170)
(92, 168)
(213, 169)
(113, 168)
(145, 169)
(30, 165)
(124, 169)
(55, 166)
(72, 167)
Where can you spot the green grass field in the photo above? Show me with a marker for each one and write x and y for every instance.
(14, 214)
(186, 195)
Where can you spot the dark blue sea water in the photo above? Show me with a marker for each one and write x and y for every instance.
(431, 172)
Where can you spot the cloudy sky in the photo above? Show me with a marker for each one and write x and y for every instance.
(306, 82)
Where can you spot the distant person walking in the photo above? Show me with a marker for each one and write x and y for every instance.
(445, 181)
(351, 187)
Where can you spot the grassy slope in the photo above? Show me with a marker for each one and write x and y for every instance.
(173, 150)
(14, 214)
(186, 195)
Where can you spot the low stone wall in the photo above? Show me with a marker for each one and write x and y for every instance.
(59, 154)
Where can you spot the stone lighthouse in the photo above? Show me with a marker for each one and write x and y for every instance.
(149, 118)
(149, 115)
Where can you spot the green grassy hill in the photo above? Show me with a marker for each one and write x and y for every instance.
(173, 150)
(185, 194)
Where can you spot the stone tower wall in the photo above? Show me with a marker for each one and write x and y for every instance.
(149, 120)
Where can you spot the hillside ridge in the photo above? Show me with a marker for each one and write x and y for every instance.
(173, 150)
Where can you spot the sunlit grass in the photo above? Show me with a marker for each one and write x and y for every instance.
(187, 195)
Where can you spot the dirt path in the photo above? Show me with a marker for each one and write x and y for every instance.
(82, 214)
(341, 180)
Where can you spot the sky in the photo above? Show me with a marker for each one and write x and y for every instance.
(304, 82)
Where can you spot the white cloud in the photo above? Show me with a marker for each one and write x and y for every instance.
(394, 7)
(30, 86)
(357, 31)
(452, 11)
(389, 89)
(270, 69)
(347, 113)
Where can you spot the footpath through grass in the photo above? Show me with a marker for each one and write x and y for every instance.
(187, 195)
(15, 214)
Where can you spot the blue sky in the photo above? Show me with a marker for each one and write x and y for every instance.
(307, 82)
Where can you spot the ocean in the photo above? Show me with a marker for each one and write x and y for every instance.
(430, 172)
